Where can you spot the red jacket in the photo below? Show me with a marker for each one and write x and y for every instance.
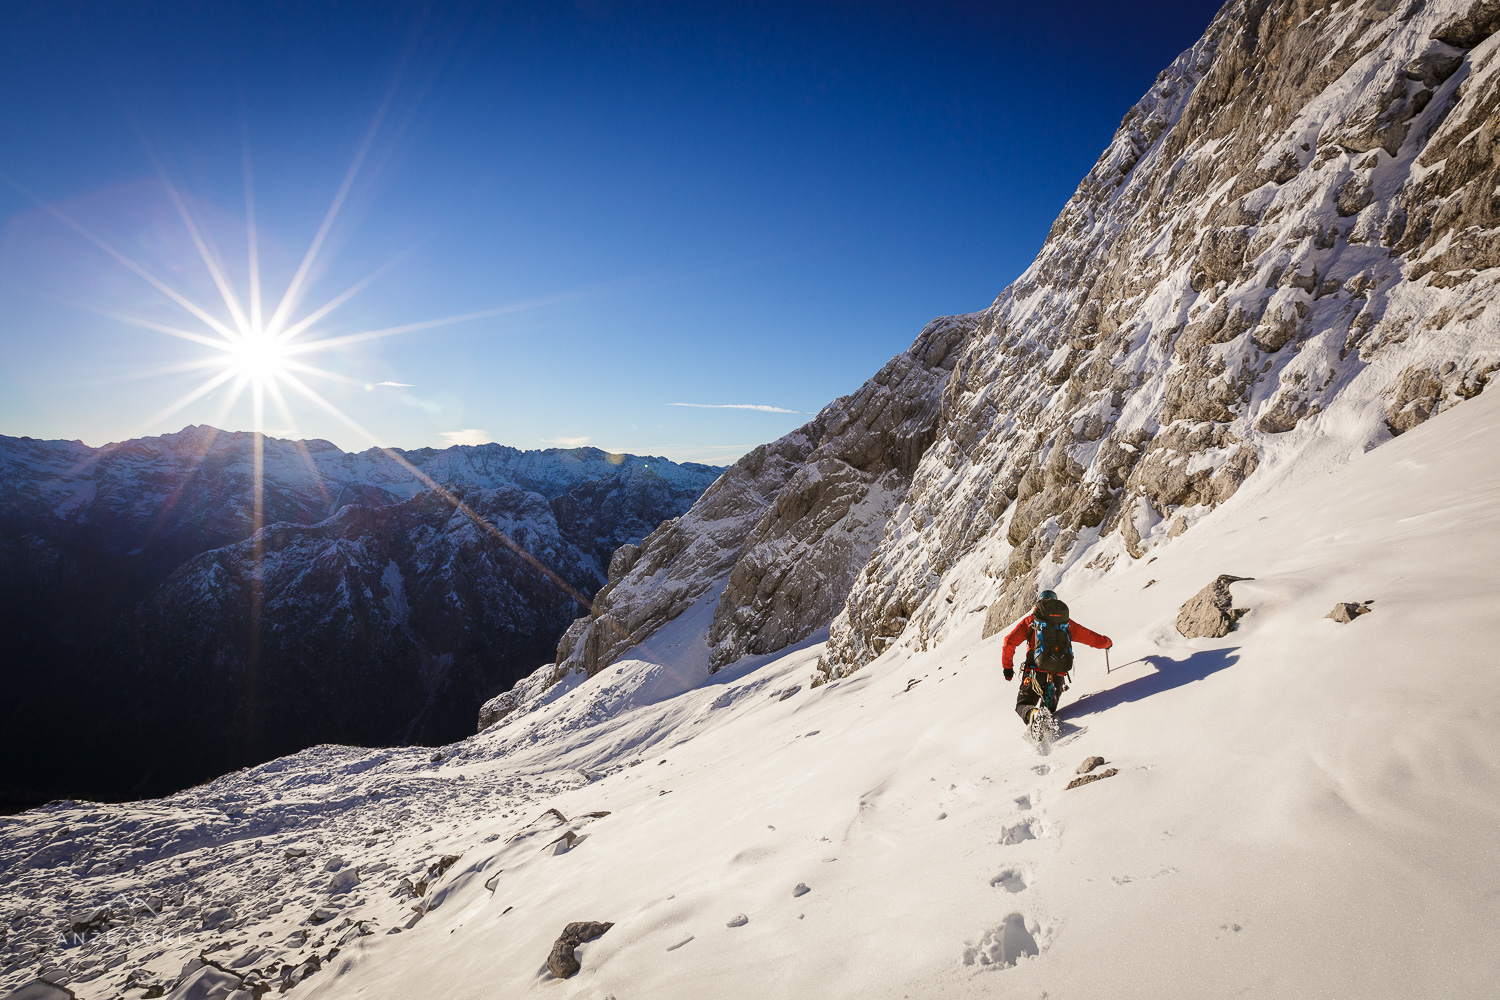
(1022, 631)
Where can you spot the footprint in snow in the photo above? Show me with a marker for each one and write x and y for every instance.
(1011, 880)
(1027, 829)
(1005, 944)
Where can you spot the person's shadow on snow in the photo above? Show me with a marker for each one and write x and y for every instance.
(1169, 674)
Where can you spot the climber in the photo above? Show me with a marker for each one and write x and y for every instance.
(1049, 637)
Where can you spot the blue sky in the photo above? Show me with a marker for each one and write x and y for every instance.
(655, 203)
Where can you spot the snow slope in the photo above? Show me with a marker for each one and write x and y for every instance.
(1302, 808)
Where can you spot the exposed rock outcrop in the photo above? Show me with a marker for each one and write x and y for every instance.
(1096, 776)
(782, 533)
(1089, 763)
(1346, 611)
(1292, 242)
(1210, 613)
(801, 557)
(40, 989)
(678, 563)
(562, 962)
(1300, 218)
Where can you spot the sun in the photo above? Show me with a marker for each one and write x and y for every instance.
(259, 357)
(267, 351)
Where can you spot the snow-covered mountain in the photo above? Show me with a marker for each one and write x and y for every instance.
(1255, 343)
(1300, 808)
(1289, 249)
(776, 541)
(369, 610)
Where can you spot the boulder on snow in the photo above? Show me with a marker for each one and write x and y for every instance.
(216, 916)
(40, 989)
(89, 921)
(1346, 611)
(1210, 613)
(1089, 764)
(443, 863)
(800, 890)
(323, 914)
(343, 881)
(562, 963)
(208, 982)
(738, 920)
(1085, 779)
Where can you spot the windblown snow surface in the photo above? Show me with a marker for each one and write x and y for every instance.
(1302, 808)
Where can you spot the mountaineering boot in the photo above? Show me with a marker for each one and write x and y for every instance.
(1042, 726)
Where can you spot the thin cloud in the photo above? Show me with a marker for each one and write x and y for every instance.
(572, 442)
(396, 385)
(469, 435)
(735, 406)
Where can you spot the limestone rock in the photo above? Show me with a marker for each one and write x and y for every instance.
(41, 989)
(1085, 779)
(801, 558)
(1414, 399)
(1346, 611)
(1468, 29)
(344, 881)
(211, 982)
(1353, 196)
(1089, 763)
(216, 916)
(1223, 253)
(1210, 613)
(562, 962)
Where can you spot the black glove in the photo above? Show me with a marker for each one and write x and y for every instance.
(1009, 673)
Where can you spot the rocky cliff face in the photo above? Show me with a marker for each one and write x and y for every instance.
(1291, 246)
(779, 536)
(379, 615)
(1290, 249)
(802, 555)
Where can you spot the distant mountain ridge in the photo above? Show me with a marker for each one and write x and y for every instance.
(139, 487)
(128, 577)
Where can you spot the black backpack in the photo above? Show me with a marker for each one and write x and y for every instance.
(1051, 641)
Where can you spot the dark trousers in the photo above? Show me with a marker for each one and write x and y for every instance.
(1028, 698)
